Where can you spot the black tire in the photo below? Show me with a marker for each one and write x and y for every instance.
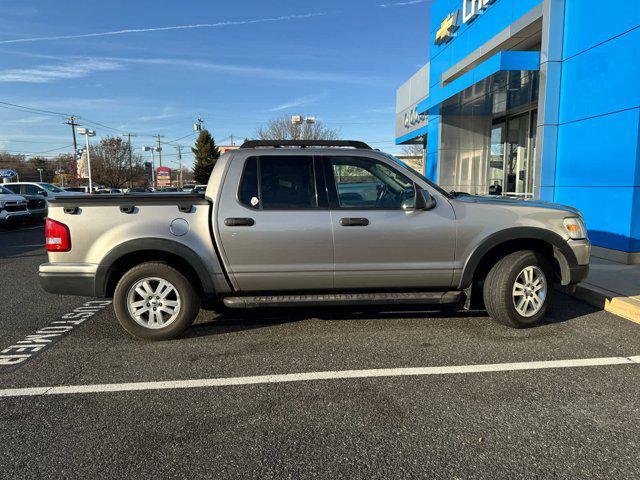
(499, 284)
(189, 301)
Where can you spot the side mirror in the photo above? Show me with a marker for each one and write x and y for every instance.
(424, 200)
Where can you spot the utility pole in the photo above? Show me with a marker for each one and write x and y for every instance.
(180, 163)
(72, 121)
(197, 127)
(130, 162)
(159, 150)
(232, 144)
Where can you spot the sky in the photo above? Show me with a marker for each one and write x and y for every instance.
(150, 67)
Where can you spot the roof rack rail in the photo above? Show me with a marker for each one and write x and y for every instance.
(305, 143)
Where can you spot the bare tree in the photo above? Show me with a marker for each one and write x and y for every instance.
(283, 129)
(110, 163)
(413, 156)
(412, 150)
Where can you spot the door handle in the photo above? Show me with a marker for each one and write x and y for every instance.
(354, 222)
(239, 222)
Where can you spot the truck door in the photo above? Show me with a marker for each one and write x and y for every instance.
(274, 224)
(380, 242)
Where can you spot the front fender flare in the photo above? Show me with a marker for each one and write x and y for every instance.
(562, 251)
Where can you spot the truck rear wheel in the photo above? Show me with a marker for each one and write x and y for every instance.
(518, 289)
(154, 301)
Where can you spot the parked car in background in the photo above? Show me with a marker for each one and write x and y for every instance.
(37, 207)
(199, 189)
(13, 208)
(139, 190)
(77, 189)
(107, 190)
(187, 187)
(44, 189)
(283, 227)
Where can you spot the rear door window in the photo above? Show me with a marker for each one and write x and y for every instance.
(274, 182)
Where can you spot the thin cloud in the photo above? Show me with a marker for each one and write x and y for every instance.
(253, 71)
(402, 4)
(167, 112)
(51, 73)
(298, 102)
(164, 29)
(30, 120)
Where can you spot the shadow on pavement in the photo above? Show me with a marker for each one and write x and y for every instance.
(227, 321)
(21, 240)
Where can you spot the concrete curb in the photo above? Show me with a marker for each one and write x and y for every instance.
(625, 307)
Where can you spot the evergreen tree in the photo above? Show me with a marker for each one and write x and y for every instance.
(206, 154)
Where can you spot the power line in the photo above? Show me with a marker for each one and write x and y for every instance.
(32, 109)
(17, 152)
(23, 141)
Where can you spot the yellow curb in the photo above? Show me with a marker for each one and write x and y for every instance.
(612, 302)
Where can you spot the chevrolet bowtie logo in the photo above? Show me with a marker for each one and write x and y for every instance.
(447, 28)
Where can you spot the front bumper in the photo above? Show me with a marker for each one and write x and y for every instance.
(573, 260)
(69, 278)
(8, 217)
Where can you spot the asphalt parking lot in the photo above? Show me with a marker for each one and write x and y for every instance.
(523, 420)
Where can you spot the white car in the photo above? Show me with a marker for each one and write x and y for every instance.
(38, 188)
(12, 207)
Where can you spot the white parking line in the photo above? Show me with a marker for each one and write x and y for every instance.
(310, 376)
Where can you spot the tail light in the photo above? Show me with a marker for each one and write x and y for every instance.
(57, 236)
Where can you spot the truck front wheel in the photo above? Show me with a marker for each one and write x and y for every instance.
(518, 289)
(154, 301)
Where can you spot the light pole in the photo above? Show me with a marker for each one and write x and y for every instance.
(153, 163)
(88, 133)
(40, 172)
(299, 120)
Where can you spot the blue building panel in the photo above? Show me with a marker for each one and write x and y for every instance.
(607, 159)
(602, 79)
(471, 36)
(608, 213)
(412, 135)
(591, 22)
(502, 61)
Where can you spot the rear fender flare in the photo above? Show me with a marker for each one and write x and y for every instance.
(158, 244)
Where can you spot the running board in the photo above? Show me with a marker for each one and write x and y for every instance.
(347, 299)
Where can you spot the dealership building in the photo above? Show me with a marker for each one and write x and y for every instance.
(535, 98)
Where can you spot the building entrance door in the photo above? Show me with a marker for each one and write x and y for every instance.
(511, 155)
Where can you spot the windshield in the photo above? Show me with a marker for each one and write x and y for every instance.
(51, 188)
(419, 175)
(5, 191)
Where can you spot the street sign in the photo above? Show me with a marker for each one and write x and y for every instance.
(6, 173)
(163, 176)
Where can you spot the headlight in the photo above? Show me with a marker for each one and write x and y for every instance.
(575, 228)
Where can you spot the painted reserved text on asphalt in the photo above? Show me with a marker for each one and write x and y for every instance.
(43, 338)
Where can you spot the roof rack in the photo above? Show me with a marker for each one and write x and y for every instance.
(305, 143)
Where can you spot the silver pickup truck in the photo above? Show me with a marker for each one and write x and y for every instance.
(308, 223)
